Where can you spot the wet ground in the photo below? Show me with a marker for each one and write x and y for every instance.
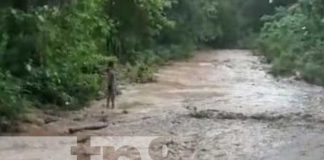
(226, 99)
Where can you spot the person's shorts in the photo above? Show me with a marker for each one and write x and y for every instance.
(111, 90)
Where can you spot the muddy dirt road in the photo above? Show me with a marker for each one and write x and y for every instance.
(242, 112)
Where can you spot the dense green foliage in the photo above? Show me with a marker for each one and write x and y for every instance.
(293, 40)
(55, 52)
(52, 55)
(240, 21)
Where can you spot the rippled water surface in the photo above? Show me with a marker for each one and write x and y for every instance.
(242, 112)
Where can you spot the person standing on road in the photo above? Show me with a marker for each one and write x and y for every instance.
(111, 85)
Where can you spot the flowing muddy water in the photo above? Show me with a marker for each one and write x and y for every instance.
(226, 99)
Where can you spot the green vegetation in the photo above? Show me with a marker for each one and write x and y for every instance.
(293, 38)
(54, 53)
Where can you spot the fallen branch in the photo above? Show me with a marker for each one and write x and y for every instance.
(89, 127)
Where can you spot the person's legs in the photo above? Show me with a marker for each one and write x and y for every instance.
(108, 101)
(113, 101)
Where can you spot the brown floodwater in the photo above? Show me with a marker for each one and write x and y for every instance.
(226, 98)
